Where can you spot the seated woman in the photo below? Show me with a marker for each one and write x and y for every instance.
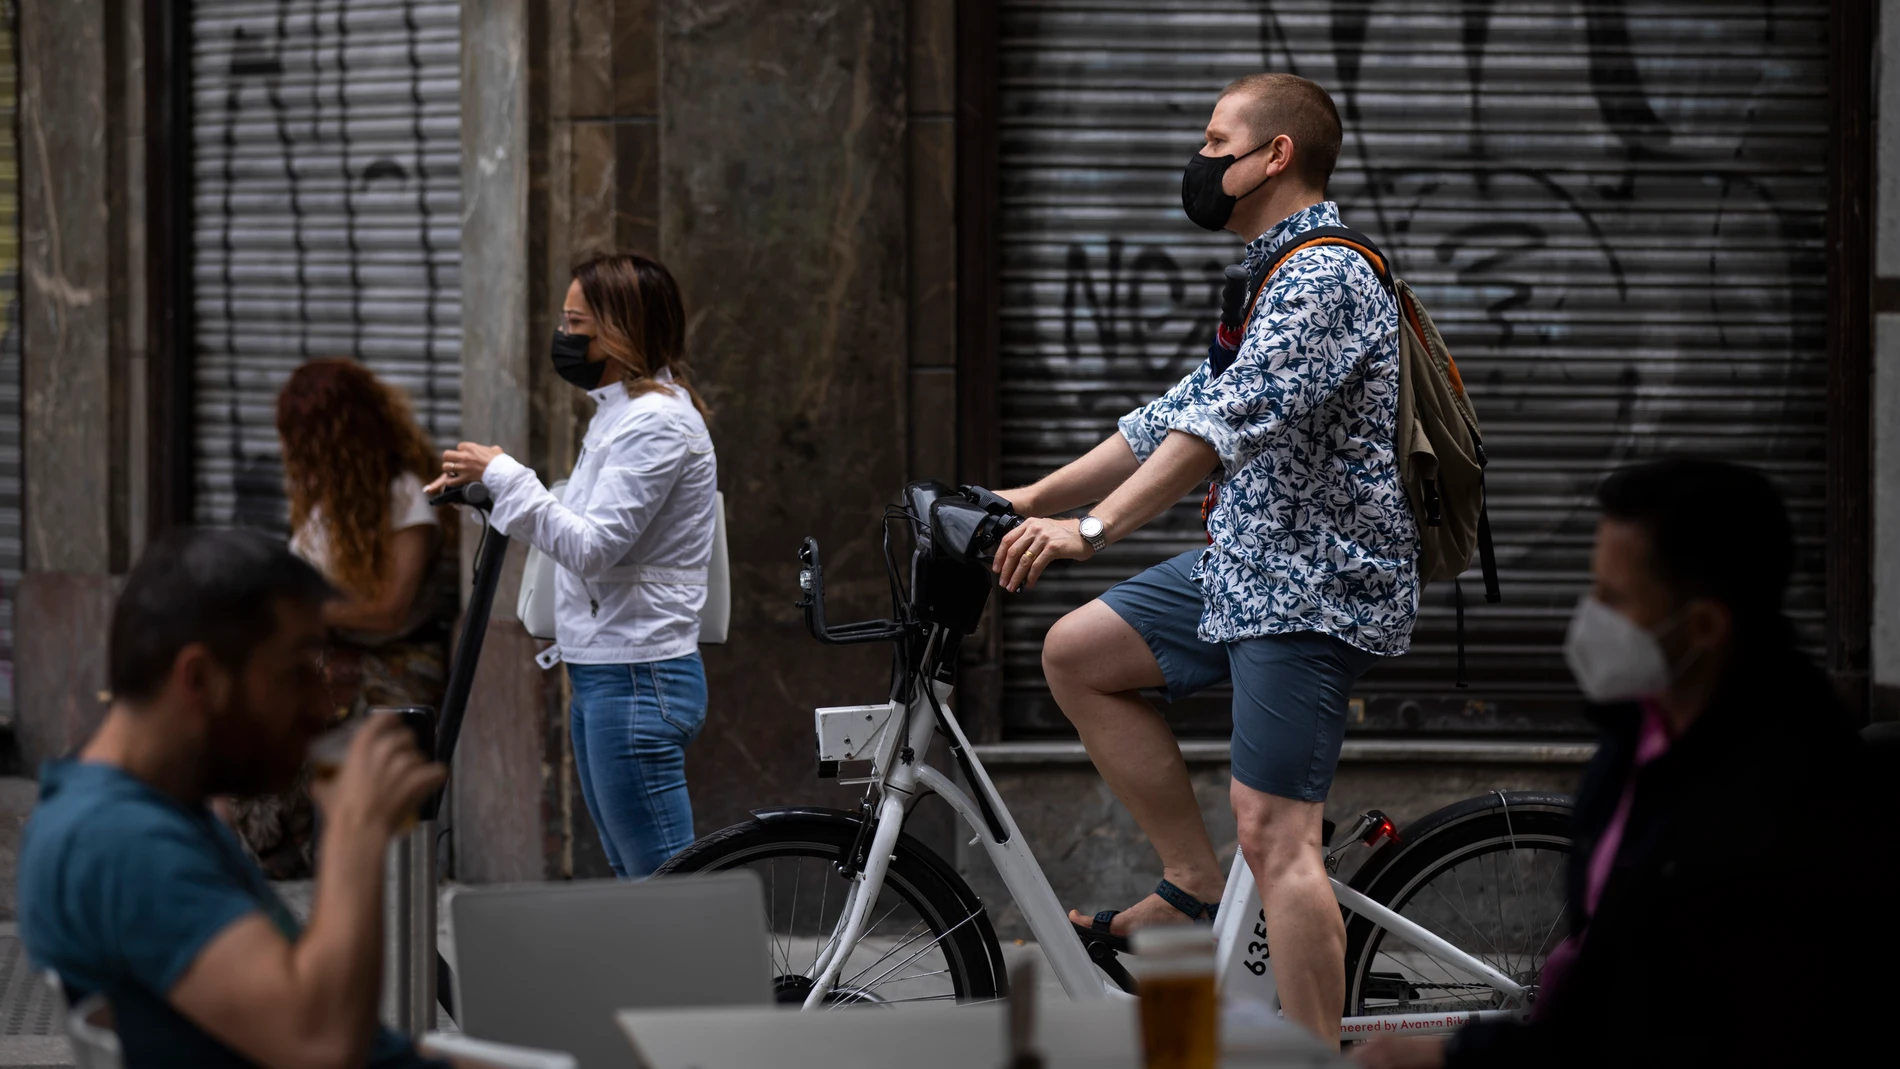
(354, 465)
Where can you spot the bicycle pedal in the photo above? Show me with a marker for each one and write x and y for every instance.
(1105, 957)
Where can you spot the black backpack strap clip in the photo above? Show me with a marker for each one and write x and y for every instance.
(1487, 552)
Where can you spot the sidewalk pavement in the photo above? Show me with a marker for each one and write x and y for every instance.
(26, 1011)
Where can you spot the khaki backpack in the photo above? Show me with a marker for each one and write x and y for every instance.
(1441, 454)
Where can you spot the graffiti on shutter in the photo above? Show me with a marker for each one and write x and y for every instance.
(1615, 211)
(326, 193)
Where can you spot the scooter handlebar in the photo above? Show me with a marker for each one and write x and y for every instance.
(474, 495)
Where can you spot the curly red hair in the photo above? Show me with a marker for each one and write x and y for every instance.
(346, 436)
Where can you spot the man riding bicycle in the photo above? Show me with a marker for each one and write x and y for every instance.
(1310, 574)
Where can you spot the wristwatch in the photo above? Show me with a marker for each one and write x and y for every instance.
(1094, 532)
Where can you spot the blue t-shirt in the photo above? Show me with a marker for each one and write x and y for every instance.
(122, 886)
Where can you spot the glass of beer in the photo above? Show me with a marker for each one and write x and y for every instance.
(329, 750)
(1179, 1013)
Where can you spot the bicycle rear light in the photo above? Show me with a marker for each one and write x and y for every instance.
(1380, 829)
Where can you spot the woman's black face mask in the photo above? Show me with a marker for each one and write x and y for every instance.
(1208, 206)
(569, 354)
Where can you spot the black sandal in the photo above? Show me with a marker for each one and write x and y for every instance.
(1098, 929)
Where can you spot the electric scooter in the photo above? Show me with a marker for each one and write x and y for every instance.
(420, 988)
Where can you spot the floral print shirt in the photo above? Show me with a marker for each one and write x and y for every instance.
(1311, 530)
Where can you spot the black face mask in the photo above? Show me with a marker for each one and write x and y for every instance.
(569, 354)
(1207, 205)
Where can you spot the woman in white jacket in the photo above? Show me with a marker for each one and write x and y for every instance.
(633, 538)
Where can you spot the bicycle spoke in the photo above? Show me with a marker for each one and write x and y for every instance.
(1552, 930)
(919, 976)
(1446, 897)
(1458, 882)
(837, 927)
(927, 948)
(1402, 967)
(893, 952)
(913, 935)
(798, 877)
(839, 930)
(1510, 833)
(1503, 964)
(771, 893)
(824, 893)
(1479, 932)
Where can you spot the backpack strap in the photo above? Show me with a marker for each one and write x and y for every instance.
(1487, 553)
(1321, 235)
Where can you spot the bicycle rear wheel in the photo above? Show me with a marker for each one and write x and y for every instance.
(1488, 875)
(926, 939)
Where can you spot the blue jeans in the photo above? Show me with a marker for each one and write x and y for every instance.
(631, 724)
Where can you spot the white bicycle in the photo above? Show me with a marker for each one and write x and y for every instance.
(1447, 922)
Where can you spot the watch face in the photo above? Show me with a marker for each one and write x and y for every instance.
(1091, 527)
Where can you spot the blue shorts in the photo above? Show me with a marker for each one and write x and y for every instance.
(1290, 691)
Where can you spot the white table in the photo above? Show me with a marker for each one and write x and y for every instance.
(1070, 1035)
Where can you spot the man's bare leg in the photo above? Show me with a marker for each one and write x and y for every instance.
(1280, 838)
(1096, 665)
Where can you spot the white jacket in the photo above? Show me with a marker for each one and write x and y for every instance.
(634, 536)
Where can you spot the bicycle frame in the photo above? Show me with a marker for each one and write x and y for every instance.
(925, 637)
(1241, 958)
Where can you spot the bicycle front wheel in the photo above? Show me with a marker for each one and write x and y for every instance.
(926, 938)
(1487, 875)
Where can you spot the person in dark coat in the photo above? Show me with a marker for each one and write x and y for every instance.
(1733, 859)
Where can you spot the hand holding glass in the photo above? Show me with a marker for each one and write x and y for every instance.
(395, 770)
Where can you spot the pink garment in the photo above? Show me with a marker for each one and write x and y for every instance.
(1652, 741)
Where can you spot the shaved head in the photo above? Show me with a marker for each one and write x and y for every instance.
(1291, 105)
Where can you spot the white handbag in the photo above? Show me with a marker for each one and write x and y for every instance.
(534, 607)
(717, 612)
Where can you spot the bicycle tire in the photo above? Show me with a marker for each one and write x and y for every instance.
(1463, 833)
(955, 918)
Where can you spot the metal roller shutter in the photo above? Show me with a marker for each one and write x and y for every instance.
(327, 193)
(10, 553)
(1615, 211)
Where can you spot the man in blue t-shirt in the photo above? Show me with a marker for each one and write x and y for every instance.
(130, 886)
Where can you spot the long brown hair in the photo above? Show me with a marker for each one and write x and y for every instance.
(642, 320)
(346, 436)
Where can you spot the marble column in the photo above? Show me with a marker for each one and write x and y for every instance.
(77, 200)
(506, 812)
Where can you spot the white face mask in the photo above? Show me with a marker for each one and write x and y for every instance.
(1613, 659)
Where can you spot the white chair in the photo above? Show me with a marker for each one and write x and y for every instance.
(499, 1055)
(548, 964)
(89, 1030)
(1069, 1035)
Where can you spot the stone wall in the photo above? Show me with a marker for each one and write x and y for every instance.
(81, 213)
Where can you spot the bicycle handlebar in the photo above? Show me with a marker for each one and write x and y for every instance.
(489, 558)
(811, 580)
(966, 534)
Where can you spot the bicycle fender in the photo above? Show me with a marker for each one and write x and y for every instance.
(906, 843)
(1424, 827)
